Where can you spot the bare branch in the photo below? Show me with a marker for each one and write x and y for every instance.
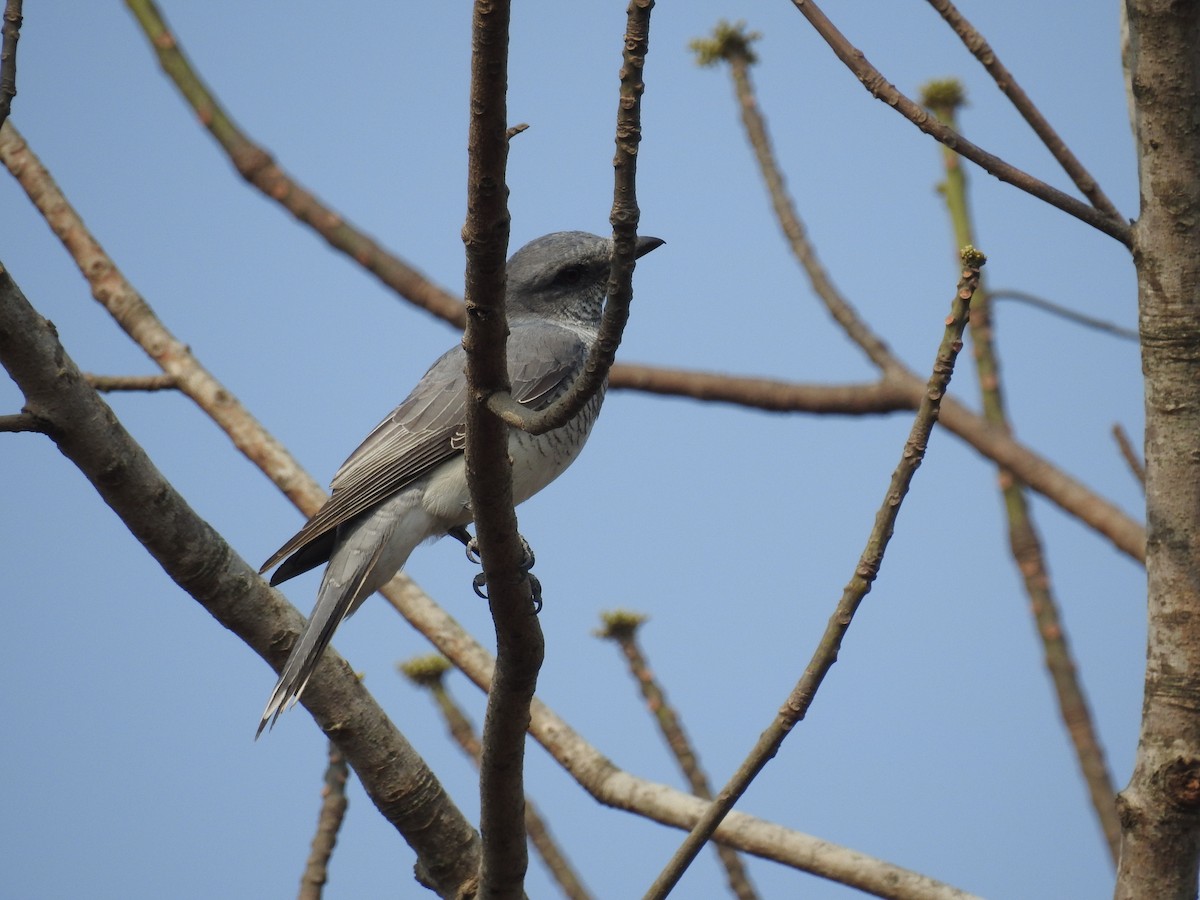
(8, 56)
(621, 628)
(329, 821)
(106, 383)
(624, 218)
(983, 52)
(257, 167)
(520, 648)
(731, 44)
(199, 561)
(138, 320)
(874, 398)
(428, 672)
(1130, 454)
(944, 99)
(677, 809)
(21, 422)
(881, 89)
(865, 573)
(1064, 312)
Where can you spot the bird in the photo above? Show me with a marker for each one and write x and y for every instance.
(406, 483)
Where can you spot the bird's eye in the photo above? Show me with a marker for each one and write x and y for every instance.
(569, 275)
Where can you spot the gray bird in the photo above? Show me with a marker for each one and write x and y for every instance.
(406, 483)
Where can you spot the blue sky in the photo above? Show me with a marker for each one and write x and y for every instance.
(935, 742)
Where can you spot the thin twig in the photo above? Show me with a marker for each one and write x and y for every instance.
(732, 43)
(624, 218)
(329, 821)
(943, 98)
(107, 383)
(621, 627)
(135, 316)
(983, 52)
(1064, 312)
(1132, 458)
(8, 56)
(257, 167)
(881, 89)
(867, 399)
(19, 422)
(429, 672)
(865, 573)
(618, 789)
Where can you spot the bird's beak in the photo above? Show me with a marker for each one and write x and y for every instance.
(645, 244)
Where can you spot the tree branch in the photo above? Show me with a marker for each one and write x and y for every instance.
(21, 422)
(329, 821)
(624, 218)
(881, 89)
(667, 806)
(256, 165)
(108, 383)
(1063, 312)
(874, 398)
(1129, 454)
(135, 316)
(621, 628)
(199, 561)
(428, 672)
(732, 44)
(944, 98)
(520, 647)
(1058, 148)
(8, 56)
(865, 573)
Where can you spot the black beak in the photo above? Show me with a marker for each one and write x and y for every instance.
(645, 244)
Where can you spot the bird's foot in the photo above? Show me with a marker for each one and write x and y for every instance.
(479, 585)
(460, 534)
(479, 582)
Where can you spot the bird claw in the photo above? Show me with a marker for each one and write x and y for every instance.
(479, 585)
(460, 534)
(535, 591)
(479, 582)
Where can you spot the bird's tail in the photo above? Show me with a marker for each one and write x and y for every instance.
(367, 555)
(335, 600)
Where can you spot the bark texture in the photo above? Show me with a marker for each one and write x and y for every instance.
(1160, 809)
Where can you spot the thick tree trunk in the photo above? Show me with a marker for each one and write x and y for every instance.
(1160, 809)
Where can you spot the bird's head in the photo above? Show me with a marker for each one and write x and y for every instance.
(563, 276)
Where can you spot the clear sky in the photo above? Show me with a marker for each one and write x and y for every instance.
(935, 742)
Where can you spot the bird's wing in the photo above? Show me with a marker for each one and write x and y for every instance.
(426, 430)
(543, 362)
